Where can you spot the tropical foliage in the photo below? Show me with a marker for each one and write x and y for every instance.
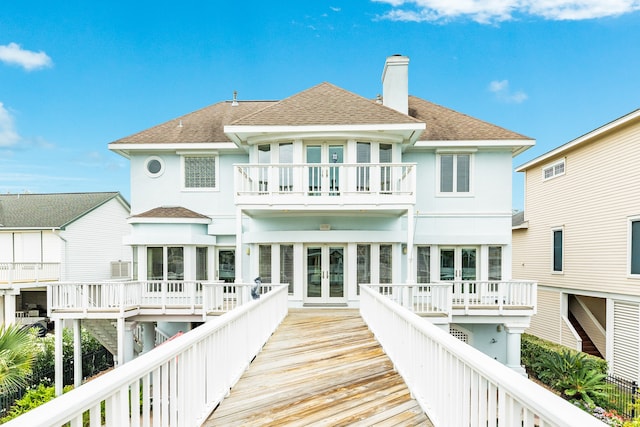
(17, 353)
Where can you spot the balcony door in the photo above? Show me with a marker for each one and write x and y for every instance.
(324, 160)
(325, 268)
(459, 264)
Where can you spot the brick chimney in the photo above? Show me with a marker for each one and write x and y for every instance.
(395, 83)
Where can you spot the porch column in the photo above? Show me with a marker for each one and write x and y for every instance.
(514, 335)
(120, 329)
(239, 254)
(58, 357)
(148, 337)
(77, 353)
(9, 308)
(128, 341)
(410, 233)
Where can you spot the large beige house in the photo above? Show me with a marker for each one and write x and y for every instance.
(579, 238)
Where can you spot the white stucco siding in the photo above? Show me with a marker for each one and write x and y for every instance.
(167, 189)
(94, 241)
(6, 247)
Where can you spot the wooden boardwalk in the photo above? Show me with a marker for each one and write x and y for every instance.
(322, 367)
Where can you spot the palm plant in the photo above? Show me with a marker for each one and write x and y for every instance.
(17, 353)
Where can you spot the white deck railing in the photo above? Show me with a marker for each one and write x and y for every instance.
(26, 272)
(444, 298)
(326, 179)
(455, 384)
(433, 299)
(192, 296)
(501, 294)
(178, 383)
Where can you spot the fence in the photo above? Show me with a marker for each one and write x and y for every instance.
(623, 395)
(92, 364)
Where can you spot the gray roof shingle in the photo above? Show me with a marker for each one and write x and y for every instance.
(170, 212)
(323, 104)
(55, 210)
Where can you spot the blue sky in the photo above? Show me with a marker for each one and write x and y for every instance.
(76, 75)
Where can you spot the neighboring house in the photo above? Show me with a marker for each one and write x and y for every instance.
(326, 190)
(579, 238)
(58, 237)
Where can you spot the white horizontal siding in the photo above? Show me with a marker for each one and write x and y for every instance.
(95, 240)
(626, 340)
(592, 202)
(547, 322)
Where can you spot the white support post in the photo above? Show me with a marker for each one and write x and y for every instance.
(9, 309)
(239, 253)
(120, 341)
(128, 341)
(410, 231)
(148, 337)
(59, 380)
(77, 353)
(514, 335)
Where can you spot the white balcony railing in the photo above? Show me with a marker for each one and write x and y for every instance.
(284, 182)
(455, 384)
(194, 297)
(444, 298)
(178, 383)
(27, 272)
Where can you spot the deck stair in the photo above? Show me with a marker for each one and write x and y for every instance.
(587, 344)
(106, 332)
(321, 367)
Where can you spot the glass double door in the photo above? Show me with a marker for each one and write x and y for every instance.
(458, 264)
(325, 274)
(324, 162)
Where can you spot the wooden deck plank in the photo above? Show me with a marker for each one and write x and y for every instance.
(322, 367)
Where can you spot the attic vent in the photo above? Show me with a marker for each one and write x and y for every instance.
(120, 269)
(235, 99)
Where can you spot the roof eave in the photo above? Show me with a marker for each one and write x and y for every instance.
(624, 120)
(249, 135)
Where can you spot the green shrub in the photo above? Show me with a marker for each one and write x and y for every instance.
(32, 399)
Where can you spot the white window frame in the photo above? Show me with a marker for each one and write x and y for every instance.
(455, 153)
(183, 170)
(553, 230)
(630, 222)
(552, 168)
(146, 166)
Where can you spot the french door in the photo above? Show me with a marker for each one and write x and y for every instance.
(324, 275)
(226, 265)
(459, 264)
(324, 162)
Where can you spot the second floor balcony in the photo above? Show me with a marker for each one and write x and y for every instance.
(326, 186)
(29, 272)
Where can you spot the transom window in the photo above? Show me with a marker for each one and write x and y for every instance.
(454, 173)
(553, 170)
(200, 172)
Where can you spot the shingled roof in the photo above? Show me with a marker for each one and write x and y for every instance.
(444, 124)
(55, 210)
(170, 212)
(204, 125)
(323, 104)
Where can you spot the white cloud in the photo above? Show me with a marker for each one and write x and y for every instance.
(27, 59)
(503, 93)
(8, 134)
(335, 9)
(492, 11)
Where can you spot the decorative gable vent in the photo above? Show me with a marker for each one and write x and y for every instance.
(120, 269)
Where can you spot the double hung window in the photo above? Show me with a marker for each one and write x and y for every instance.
(454, 173)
